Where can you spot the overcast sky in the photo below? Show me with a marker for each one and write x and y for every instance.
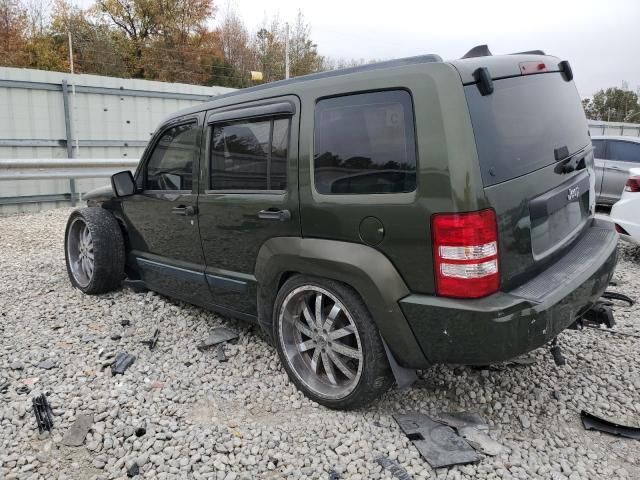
(600, 38)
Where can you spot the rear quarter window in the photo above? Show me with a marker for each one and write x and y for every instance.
(365, 144)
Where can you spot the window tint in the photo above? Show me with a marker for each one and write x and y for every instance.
(365, 144)
(598, 146)
(624, 151)
(250, 155)
(171, 164)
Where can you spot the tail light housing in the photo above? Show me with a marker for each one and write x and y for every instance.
(633, 184)
(465, 253)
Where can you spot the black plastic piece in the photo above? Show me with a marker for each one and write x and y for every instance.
(561, 153)
(591, 422)
(617, 296)
(478, 51)
(599, 314)
(556, 353)
(122, 362)
(485, 83)
(567, 71)
(44, 414)
(153, 340)
(133, 470)
(394, 468)
(4, 386)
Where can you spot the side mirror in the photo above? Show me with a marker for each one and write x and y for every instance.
(123, 184)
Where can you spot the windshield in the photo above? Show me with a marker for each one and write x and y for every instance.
(519, 125)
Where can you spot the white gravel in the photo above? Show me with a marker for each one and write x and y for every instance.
(243, 419)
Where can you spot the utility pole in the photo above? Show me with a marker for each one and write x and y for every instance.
(286, 50)
(70, 52)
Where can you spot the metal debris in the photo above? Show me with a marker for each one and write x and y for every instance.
(220, 353)
(153, 340)
(438, 444)
(44, 414)
(591, 422)
(78, 431)
(395, 469)
(218, 335)
(122, 361)
(472, 427)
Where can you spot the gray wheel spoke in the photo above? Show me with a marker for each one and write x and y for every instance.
(302, 328)
(328, 368)
(90, 255)
(346, 351)
(335, 311)
(341, 332)
(314, 360)
(308, 345)
(319, 310)
(341, 365)
(308, 316)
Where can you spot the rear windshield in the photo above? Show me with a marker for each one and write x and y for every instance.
(519, 125)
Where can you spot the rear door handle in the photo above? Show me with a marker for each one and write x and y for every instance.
(274, 214)
(187, 211)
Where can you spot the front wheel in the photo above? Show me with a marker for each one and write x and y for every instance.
(329, 344)
(94, 250)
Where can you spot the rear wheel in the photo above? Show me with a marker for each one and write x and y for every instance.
(94, 250)
(328, 343)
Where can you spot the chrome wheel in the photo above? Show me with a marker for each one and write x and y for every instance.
(320, 341)
(80, 252)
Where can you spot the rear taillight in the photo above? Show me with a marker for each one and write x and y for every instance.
(633, 184)
(465, 254)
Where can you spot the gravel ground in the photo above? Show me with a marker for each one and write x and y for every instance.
(243, 419)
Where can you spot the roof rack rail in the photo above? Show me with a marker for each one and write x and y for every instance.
(478, 51)
(529, 52)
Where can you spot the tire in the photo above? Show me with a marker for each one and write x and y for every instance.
(345, 339)
(94, 232)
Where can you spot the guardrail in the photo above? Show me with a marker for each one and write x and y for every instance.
(54, 168)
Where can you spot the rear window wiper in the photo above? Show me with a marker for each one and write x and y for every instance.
(568, 163)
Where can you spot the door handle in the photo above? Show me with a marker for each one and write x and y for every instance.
(187, 211)
(274, 214)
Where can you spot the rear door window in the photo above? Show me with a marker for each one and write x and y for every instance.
(518, 126)
(365, 144)
(624, 151)
(598, 149)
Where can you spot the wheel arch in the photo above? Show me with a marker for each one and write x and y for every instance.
(366, 270)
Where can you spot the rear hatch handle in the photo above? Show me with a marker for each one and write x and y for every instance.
(568, 163)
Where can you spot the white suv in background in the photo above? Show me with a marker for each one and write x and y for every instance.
(625, 214)
(614, 157)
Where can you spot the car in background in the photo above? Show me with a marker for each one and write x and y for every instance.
(625, 214)
(614, 156)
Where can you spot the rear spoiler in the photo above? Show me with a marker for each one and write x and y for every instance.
(483, 51)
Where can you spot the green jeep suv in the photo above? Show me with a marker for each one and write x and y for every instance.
(373, 221)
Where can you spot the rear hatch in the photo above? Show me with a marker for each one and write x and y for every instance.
(535, 159)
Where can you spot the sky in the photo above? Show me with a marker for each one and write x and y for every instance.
(600, 38)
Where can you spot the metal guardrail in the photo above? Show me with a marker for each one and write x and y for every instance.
(54, 168)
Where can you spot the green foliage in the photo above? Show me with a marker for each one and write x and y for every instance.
(168, 40)
(613, 105)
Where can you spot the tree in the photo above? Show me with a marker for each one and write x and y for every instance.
(13, 28)
(612, 105)
(303, 53)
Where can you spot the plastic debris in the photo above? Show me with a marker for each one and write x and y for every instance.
(4, 386)
(153, 340)
(115, 337)
(218, 335)
(44, 414)
(122, 361)
(133, 470)
(617, 296)
(438, 444)
(592, 422)
(125, 323)
(220, 355)
(23, 390)
(77, 433)
(333, 475)
(472, 427)
(395, 469)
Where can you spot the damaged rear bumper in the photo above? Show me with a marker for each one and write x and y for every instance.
(507, 324)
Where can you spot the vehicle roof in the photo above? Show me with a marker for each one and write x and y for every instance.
(499, 66)
(626, 138)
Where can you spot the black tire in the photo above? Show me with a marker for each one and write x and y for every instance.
(107, 249)
(375, 377)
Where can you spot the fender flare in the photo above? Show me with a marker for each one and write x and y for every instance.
(363, 268)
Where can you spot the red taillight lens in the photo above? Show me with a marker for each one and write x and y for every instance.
(465, 254)
(633, 184)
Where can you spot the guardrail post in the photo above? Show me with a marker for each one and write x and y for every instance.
(67, 127)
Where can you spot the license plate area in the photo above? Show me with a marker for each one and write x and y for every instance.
(558, 216)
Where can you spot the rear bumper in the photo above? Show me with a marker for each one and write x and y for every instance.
(505, 325)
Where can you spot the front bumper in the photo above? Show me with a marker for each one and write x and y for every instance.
(507, 324)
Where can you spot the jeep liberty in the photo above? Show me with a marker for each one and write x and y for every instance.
(372, 220)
